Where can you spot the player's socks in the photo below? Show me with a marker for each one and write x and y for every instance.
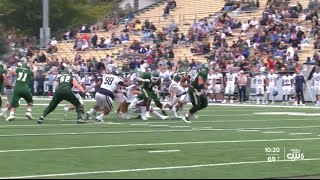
(174, 109)
(148, 114)
(143, 113)
(100, 117)
(258, 99)
(4, 112)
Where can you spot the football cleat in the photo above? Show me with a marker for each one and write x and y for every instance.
(81, 121)
(10, 118)
(40, 120)
(186, 119)
(29, 115)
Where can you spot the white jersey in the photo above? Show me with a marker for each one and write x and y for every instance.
(174, 86)
(231, 78)
(130, 96)
(211, 78)
(86, 80)
(287, 80)
(77, 77)
(110, 82)
(316, 79)
(218, 77)
(272, 79)
(11, 78)
(260, 80)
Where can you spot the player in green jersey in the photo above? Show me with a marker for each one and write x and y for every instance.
(150, 90)
(196, 91)
(21, 90)
(64, 92)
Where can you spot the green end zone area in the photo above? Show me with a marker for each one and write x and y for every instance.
(224, 142)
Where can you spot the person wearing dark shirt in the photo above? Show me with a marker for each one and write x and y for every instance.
(300, 86)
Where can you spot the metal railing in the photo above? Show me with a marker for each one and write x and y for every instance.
(190, 17)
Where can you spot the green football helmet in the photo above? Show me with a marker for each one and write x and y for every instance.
(182, 72)
(155, 76)
(206, 67)
(177, 78)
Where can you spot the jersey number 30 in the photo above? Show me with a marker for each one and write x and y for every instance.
(22, 76)
(108, 80)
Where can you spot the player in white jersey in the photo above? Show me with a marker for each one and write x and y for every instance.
(11, 78)
(218, 85)
(316, 85)
(121, 99)
(105, 95)
(86, 80)
(230, 80)
(76, 93)
(272, 84)
(260, 82)
(210, 89)
(287, 82)
(178, 96)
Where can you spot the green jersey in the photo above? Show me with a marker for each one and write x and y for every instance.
(204, 75)
(65, 81)
(24, 76)
(2, 72)
(149, 85)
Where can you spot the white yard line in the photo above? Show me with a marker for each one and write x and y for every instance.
(159, 125)
(159, 131)
(272, 132)
(90, 122)
(156, 144)
(300, 133)
(154, 169)
(264, 106)
(179, 126)
(248, 130)
(140, 124)
(164, 151)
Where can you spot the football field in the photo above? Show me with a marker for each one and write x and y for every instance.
(226, 141)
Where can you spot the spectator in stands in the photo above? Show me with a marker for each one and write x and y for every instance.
(115, 38)
(124, 37)
(135, 45)
(94, 40)
(166, 11)
(52, 48)
(41, 58)
(30, 51)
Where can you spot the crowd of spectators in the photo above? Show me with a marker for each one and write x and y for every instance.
(270, 42)
(241, 5)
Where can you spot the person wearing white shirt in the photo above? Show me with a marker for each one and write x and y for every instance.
(260, 81)
(287, 82)
(271, 84)
(291, 51)
(53, 42)
(245, 26)
(230, 80)
(316, 85)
